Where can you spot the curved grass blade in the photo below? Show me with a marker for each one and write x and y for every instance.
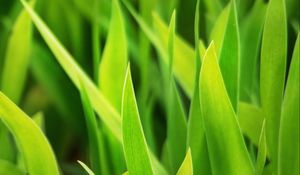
(226, 147)
(196, 139)
(262, 152)
(251, 32)
(288, 154)
(38, 155)
(8, 168)
(135, 148)
(272, 73)
(251, 119)
(227, 42)
(86, 168)
(114, 60)
(16, 62)
(186, 167)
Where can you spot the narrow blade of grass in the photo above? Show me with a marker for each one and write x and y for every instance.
(86, 168)
(37, 152)
(227, 42)
(272, 72)
(16, 62)
(186, 167)
(114, 60)
(262, 152)
(226, 147)
(289, 123)
(8, 168)
(135, 148)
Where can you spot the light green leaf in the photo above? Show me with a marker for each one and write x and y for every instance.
(251, 32)
(196, 139)
(272, 73)
(86, 168)
(39, 119)
(38, 155)
(186, 167)
(250, 119)
(262, 152)
(135, 148)
(114, 60)
(226, 36)
(8, 168)
(288, 154)
(17, 58)
(226, 147)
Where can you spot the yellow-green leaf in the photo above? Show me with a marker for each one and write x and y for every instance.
(186, 167)
(262, 151)
(8, 168)
(36, 150)
(227, 151)
(135, 147)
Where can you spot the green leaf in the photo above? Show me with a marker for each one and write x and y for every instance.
(8, 168)
(226, 36)
(101, 105)
(262, 152)
(251, 32)
(272, 73)
(288, 154)
(37, 152)
(186, 167)
(196, 139)
(226, 147)
(135, 148)
(86, 168)
(16, 62)
(92, 129)
(250, 119)
(114, 60)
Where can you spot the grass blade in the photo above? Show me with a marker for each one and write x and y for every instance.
(289, 123)
(37, 152)
(272, 72)
(113, 64)
(262, 152)
(86, 168)
(134, 143)
(227, 42)
(20, 40)
(186, 167)
(220, 122)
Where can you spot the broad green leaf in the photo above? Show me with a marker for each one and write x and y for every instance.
(288, 154)
(92, 129)
(135, 147)
(262, 152)
(8, 168)
(86, 168)
(7, 152)
(38, 155)
(250, 119)
(272, 73)
(196, 139)
(226, 36)
(213, 9)
(114, 59)
(101, 105)
(186, 167)
(251, 32)
(17, 58)
(107, 113)
(227, 151)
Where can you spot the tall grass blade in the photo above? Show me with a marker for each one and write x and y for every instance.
(262, 152)
(226, 147)
(186, 167)
(86, 168)
(135, 148)
(272, 72)
(288, 154)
